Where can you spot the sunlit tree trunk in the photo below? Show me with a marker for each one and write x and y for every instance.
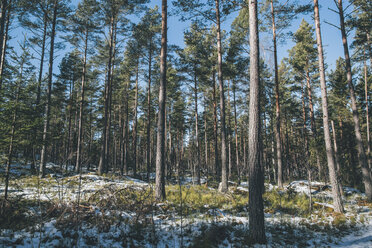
(160, 142)
(337, 200)
(224, 159)
(277, 106)
(49, 92)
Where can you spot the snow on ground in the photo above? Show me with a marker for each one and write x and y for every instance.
(164, 226)
(357, 239)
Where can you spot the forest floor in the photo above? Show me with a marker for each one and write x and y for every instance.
(120, 211)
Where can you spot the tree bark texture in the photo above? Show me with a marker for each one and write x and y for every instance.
(160, 142)
(337, 200)
(256, 183)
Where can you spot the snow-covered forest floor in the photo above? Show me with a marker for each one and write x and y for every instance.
(120, 211)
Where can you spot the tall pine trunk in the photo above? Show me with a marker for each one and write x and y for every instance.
(197, 129)
(337, 200)
(215, 127)
(135, 128)
(148, 133)
(124, 161)
(362, 158)
(306, 144)
(256, 183)
(3, 16)
(103, 161)
(80, 128)
(337, 160)
(4, 45)
(48, 93)
(38, 92)
(160, 142)
(206, 141)
(367, 110)
(228, 131)
(224, 159)
(236, 134)
(277, 106)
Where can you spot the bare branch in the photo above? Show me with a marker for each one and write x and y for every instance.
(332, 24)
(334, 11)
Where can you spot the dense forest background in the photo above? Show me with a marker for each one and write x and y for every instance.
(80, 84)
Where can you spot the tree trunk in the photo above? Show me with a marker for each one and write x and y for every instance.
(148, 143)
(160, 142)
(80, 128)
(244, 155)
(228, 130)
(277, 106)
(337, 160)
(3, 16)
(125, 133)
(134, 134)
(4, 45)
(111, 67)
(38, 94)
(306, 144)
(256, 183)
(48, 93)
(362, 158)
(69, 142)
(224, 159)
(215, 125)
(273, 159)
(170, 145)
(337, 200)
(103, 161)
(206, 142)
(312, 121)
(367, 110)
(236, 135)
(197, 128)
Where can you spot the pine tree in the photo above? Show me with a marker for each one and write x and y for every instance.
(43, 157)
(362, 158)
(337, 200)
(256, 186)
(15, 106)
(84, 24)
(160, 140)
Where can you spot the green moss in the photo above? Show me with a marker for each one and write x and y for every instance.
(202, 199)
(288, 202)
(340, 221)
